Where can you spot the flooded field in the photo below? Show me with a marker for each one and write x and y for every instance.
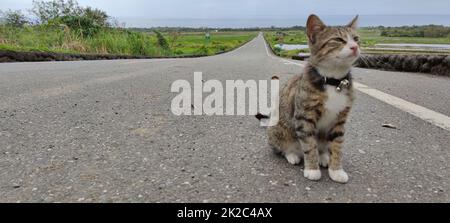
(414, 46)
(292, 46)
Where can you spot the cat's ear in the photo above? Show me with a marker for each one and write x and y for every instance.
(313, 26)
(354, 23)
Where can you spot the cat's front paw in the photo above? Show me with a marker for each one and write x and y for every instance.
(339, 176)
(293, 159)
(312, 174)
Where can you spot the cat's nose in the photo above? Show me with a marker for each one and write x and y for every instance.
(354, 49)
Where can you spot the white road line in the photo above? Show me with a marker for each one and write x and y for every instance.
(423, 113)
(267, 49)
(292, 63)
(138, 61)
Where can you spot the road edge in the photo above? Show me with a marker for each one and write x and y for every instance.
(10, 56)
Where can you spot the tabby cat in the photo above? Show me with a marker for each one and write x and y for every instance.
(314, 106)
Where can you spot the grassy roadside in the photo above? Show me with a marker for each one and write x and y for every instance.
(60, 39)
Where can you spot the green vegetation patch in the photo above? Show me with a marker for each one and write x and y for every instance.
(198, 44)
(370, 37)
(65, 27)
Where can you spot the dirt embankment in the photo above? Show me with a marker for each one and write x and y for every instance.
(12, 56)
(433, 64)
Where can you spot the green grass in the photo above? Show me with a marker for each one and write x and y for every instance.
(116, 41)
(369, 37)
(196, 44)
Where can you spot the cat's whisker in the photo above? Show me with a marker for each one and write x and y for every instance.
(364, 60)
(368, 63)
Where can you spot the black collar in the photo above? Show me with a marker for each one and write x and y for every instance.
(331, 81)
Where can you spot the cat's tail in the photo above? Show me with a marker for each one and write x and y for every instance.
(261, 117)
(265, 120)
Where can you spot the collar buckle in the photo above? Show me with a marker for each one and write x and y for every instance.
(344, 84)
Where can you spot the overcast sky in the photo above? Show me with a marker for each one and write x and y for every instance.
(244, 9)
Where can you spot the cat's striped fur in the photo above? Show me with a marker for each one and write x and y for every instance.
(313, 114)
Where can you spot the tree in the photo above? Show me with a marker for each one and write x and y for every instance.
(15, 18)
(47, 11)
(86, 21)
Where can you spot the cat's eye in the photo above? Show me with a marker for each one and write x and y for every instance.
(356, 38)
(340, 40)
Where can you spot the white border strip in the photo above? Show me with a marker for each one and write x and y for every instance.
(423, 113)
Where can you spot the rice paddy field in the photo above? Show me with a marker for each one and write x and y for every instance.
(372, 42)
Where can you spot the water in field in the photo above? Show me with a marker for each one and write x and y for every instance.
(292, 46)
(416, 46)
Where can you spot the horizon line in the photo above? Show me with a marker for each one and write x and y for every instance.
(272, 17)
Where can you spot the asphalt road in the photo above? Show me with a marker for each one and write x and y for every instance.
(102, 131)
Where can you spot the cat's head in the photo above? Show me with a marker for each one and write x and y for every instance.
(333, 47)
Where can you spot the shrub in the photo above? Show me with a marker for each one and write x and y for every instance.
(140, 44)
(202, 51)
(416, 31)
(86, 21)
(97, 16)
(47, 11)
(179, 52)
(277, 50)
(162, 42)
(15, 18)
(84, 26)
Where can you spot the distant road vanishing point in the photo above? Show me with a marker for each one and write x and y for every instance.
(102, 131)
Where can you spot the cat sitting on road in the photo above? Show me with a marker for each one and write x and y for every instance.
(314, 106)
